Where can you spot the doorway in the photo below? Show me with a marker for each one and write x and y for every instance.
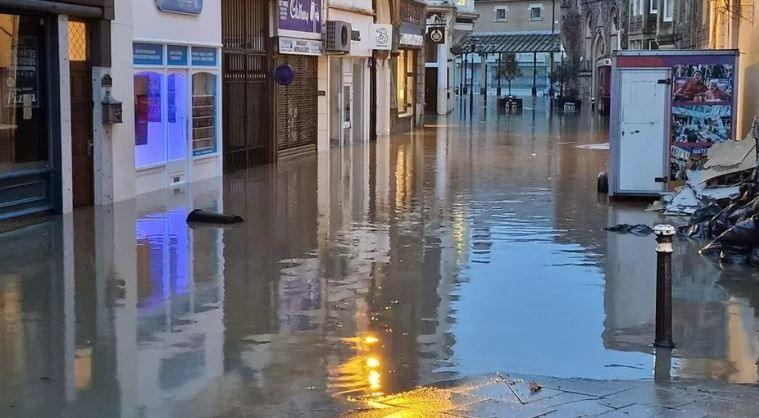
(82, 165)
(430, 89)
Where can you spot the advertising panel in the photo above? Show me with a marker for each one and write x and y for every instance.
(702, 111)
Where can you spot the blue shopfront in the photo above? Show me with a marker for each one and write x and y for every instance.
(176, 113)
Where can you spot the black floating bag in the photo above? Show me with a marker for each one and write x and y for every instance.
(202, 216)
(742, 235)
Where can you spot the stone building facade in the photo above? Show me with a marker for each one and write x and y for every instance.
(591, 30)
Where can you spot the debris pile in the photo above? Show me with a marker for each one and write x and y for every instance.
(729, 164)
(723, 201)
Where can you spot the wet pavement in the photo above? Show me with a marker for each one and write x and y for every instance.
(436, 258)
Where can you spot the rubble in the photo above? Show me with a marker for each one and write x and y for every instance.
(723, 202)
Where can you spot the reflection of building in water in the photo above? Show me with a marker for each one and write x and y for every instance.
(176, 308)
(715, 332)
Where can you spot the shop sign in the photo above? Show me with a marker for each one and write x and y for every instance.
(176, 55)
(299, 16)
(410, 39)
(383, 37)
(188, 7)
(22, 80)
(436, 34)
(299, 46)
(410, 36)
(147, 54)
(204, 57)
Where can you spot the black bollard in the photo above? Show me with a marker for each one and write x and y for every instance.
(664, 237)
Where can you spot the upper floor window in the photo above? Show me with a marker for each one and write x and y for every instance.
(501, 14)
(653, 8)
(636, 7)
(536, 12)
(669, 9)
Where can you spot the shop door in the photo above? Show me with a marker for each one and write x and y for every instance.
(177, 127)
(643, 140)
(247, 90)
(430, 89)
(83, 171)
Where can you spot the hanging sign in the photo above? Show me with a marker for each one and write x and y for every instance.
(188, 7)
(436, 34)
(301, 18)
(382, 37)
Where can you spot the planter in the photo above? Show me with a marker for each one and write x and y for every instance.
(561, 103)
(510, 104)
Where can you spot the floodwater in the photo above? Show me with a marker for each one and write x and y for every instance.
(462, 249)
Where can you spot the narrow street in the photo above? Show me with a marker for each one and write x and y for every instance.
(468, 257)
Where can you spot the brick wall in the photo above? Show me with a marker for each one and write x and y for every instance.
(296, 108)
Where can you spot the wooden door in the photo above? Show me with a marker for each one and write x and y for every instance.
(81, 134)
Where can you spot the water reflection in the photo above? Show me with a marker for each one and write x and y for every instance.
(456, 250)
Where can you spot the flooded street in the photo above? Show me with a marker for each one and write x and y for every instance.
(460, 250)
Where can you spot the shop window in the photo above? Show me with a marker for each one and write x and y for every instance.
(23, 111)
(203, 113)
(404, 79)
(176, 117)
(77, 41)
(149, 138)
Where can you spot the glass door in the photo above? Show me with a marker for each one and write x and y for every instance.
(177, 126)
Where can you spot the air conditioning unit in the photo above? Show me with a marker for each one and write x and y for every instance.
(338, 37)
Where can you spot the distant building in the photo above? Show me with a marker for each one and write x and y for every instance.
(522, 27)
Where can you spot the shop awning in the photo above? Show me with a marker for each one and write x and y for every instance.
(510, 43)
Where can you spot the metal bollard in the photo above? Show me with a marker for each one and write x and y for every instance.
(664, 237)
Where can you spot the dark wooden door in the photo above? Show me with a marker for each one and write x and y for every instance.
(430, 89)
(81, 134)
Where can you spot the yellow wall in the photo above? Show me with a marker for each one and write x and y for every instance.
(748, 76)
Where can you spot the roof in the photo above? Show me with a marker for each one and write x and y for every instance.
(511, 43)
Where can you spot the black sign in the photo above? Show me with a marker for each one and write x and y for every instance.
(356, 36)
(436, 34)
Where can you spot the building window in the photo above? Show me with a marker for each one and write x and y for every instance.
(536, 12)
(669, 10)
(149, 131)
(405, 82)
(636, 7)
(77, 41)
(501, 14)
(25, 109)
(203, 113)
(653, 7)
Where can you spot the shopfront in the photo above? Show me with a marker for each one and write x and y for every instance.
(349, 80)
(177, 102)
(299, 46)
(40, 96)
(407, 105)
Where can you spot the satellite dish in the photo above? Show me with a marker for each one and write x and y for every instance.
(284, 74)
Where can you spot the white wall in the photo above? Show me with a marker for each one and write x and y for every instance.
(151, 24)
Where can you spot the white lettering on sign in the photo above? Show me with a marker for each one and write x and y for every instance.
(411, 40)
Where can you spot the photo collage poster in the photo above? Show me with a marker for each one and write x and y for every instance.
(702, 112)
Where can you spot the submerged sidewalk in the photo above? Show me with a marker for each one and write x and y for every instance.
(532, 396)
